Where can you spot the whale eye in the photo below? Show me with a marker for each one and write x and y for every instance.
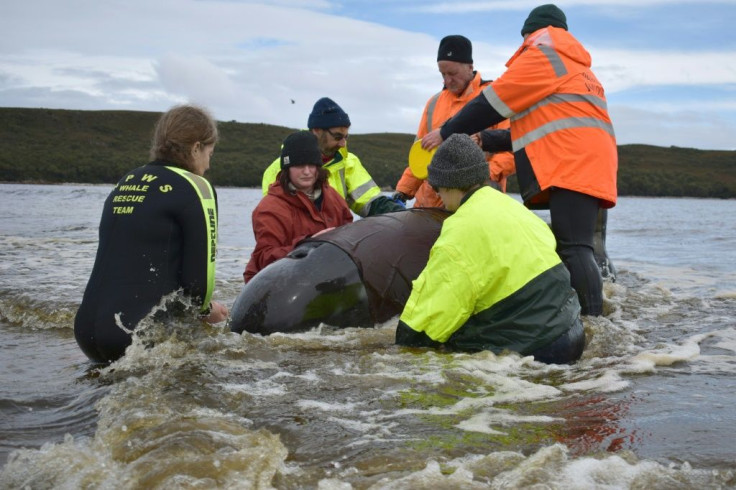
(303, 249)
(299, 253)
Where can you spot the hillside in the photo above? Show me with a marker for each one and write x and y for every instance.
(55, 146)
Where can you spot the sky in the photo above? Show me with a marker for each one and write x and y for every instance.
(668, 67)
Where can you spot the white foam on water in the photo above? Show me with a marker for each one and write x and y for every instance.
(325, 406)
(371, 431)
(725, 294)
(151, 433)
(260, 388)
(484, 422)
(550, 467)
(609, 381)
(727, 339)
(616, 472)
(719, 353)
(333, 484)
(647, 361)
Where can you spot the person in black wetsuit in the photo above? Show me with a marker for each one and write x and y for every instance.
(158, 234)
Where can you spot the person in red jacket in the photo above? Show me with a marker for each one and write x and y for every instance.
(299, 204)
(561, 135)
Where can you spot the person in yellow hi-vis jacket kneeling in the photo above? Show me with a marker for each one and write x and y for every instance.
(493, 280)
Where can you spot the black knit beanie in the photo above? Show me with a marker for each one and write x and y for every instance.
(327, 114)
(458, 163)
(543, 16)
(300, 148)
(455, 48)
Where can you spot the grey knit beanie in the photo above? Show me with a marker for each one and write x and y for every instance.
(458, 164)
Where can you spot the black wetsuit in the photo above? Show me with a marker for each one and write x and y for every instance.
(158, 234)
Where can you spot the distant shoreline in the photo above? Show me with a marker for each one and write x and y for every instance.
(56, 146)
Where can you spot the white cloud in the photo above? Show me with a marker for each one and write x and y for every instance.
(197, 78)
(248, 60)
(684, 128)
(623, 69)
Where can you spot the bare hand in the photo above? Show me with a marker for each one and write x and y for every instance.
(477, 139)
(322, 231)
(432, 140)
(218, 313)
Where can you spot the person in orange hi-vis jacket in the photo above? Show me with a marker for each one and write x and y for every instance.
(562, 138)
(461, 85)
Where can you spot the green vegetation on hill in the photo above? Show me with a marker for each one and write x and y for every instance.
(56, 146)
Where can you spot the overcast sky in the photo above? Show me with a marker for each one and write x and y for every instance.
(668, 67)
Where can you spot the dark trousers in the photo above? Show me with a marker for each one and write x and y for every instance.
(573, 219)
(566, 349)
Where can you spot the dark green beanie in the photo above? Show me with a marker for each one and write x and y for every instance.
(543, 16)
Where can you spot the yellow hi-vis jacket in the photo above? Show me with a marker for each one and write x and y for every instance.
(346, 175)
(493, 282)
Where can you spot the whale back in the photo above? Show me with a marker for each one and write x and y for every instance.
(390, 250)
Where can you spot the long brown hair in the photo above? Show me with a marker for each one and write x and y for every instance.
(178, 130)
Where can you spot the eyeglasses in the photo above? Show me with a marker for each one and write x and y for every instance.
(338, 136)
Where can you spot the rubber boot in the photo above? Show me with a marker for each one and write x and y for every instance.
(608, 271)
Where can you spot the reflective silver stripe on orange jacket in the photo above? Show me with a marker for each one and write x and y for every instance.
(554, 59)
(559, 124)
(430, 110)
(562, 98)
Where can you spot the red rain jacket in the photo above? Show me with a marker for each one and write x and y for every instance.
(282, 219)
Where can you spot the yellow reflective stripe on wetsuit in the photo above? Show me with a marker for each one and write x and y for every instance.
(209, 207)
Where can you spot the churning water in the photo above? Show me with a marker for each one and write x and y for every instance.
(650, 404)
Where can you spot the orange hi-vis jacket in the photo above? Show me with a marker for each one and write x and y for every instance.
(439, 108)
(561, 133)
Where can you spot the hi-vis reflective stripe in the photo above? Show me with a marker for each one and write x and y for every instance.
(543, 42)
(554, 59)
(430, 110)
(501, 107)
(551, 127)
(209, 209)
(562, 98)
(359, 191)
(496, 102)
(343, 185)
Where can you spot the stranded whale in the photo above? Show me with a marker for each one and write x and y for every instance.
(357, 275)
